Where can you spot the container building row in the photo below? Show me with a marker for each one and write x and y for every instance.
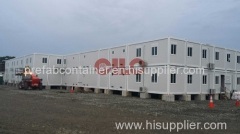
(201, 68)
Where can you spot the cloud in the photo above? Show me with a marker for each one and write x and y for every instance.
(68, 26)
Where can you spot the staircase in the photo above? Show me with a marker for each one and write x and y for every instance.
(224, 95)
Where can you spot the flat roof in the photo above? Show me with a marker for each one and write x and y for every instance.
(129, 44)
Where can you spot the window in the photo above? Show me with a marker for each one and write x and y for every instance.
(173, 78)
(238, 59)
(204, 79)
(204, 53)
(173, 49)
(216, 55)
(44, 60)
(112, 52)
(154, 78)
(238, 80)
(124, 50)
(138, 52)
(59, 61)
(138, 77)
(65, 61)
(217, 80)
(190, 51)
(30, 60)
(228, 58)
(154, 50)
(189, 79)
(26, 61)
(21, 62)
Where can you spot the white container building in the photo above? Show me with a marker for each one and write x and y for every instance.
(221, 69)
(34, 61)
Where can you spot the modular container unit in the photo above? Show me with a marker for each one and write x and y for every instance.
(88, 78)
(117, 78)
(154, 54)
(44, 65)
(70, 75)
(12, 64)
(104, 79)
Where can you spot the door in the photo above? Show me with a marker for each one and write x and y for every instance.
(1, 80)
(222, 83)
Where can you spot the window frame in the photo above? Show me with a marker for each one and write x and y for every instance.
(238, 80)
(154, 78)
(189, 79)
(238, 59)
(204, 53)
(228, 57)
(44, 60)
(154, 51)
(217, 55)
(138, 78)
(217, 80)
(59, 61)
(204, 80)
(139, 52)
(189, 52)
(173, 49)
(173, 79)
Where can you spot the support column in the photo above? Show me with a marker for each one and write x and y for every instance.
(170, 98)
(108, 91)
(97, 90)
(144, 95)
(201, 97)
(216, 96)
(126, 93)
(187, 97)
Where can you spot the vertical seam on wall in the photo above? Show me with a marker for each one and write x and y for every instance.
(98, 84)
(168, 66)
(48, 66)
(185, 65)
(127, 55)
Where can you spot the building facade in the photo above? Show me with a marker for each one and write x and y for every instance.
(217, 70)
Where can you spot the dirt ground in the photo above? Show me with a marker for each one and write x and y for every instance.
(61, 112)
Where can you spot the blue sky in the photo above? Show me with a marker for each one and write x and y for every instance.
(69, 26)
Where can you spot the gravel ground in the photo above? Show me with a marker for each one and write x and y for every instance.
(61, 112)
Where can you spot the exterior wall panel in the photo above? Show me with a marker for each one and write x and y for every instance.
(193, 60)
(179, 57)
